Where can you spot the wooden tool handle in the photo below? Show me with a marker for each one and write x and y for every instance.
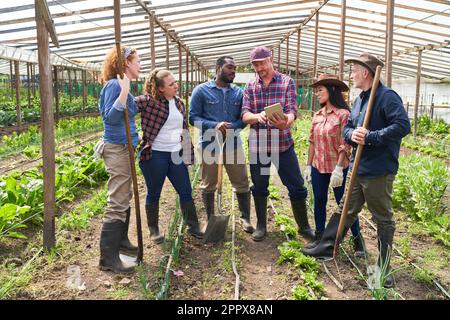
(359, 150)
(118, 35)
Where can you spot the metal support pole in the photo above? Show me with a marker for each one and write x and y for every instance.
(342, 42)
(389, 40)
(419, 74)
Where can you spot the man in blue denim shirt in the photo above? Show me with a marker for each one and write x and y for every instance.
(215, 109)
(378, 166)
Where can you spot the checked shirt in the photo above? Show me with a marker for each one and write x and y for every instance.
(281, 89)
(154, 113)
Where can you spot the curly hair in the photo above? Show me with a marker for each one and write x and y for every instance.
(154, 81)
(110, 65)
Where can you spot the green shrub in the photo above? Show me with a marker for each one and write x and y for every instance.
(419, 188)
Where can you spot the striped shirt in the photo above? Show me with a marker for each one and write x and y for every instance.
(327, 139)
(281, 89)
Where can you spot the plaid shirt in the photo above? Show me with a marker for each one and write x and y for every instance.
(281, 89)
(154, 113)
(326, 137)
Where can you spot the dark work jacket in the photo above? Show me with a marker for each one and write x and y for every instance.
(389, 123)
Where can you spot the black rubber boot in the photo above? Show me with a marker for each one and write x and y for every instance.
(190, 215)
(126, 246)
(316, 240)
(301, 217)
(152, 211)
(261, 215)
(110, 238)
(324, 250)
(244, 208)
(358, 246)
(385, 239)
(208, 202)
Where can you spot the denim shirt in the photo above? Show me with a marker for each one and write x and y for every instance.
(113, 116)
(210, 106)
(388, 124)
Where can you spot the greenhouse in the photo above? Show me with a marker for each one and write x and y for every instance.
(81, 220)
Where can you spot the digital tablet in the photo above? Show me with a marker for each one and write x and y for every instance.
(274, 108)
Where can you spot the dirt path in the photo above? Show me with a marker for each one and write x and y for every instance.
(213, 277)
(206, 269)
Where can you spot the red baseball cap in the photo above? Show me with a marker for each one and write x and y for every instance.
(260, 54)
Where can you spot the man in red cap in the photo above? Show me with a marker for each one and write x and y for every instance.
(270, 140)
(378, 166)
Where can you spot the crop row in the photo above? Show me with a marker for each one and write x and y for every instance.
(21, 193)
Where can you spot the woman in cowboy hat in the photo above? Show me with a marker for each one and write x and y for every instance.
(328, 154)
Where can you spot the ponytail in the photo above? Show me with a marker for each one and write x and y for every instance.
(154, 81)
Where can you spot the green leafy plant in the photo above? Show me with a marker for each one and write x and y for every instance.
(419, 188)
(312, 282)
(429, 126)
(307, 263)
(423, 276)
(25, 190)
(301, 293)
(9, 213)
(79, 218)
(31, 152)
(289, 251)
(274, 192)
(287, 225)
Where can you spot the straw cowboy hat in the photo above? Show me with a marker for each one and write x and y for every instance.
(367, 60)
(330, 80)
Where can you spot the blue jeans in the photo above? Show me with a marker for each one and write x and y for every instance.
(157, 169)
(320, 184)
(288, 170)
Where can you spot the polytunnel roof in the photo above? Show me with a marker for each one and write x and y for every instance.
(211, 28)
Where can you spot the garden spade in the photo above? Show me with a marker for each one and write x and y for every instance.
(217, 224)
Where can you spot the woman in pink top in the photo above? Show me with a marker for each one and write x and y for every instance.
(328, 154)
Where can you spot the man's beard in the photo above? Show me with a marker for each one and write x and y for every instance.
(226, 80)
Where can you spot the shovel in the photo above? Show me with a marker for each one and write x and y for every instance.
(217, 224)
